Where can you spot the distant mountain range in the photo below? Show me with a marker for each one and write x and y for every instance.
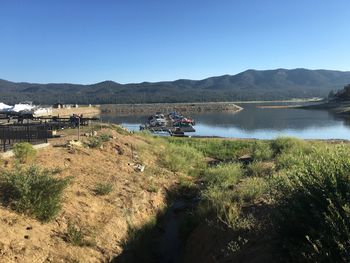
(249, 85)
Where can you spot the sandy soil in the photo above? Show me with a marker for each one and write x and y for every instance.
(105, 219)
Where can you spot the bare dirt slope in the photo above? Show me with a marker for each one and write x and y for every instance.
(136, 196)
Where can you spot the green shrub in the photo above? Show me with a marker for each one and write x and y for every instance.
(24, 152)
(288, 145)
(105, 137)
(32, 191)
(103, 188)
(313, 214)
(94, 142)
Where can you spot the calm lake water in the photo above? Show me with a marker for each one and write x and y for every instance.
(260, 123)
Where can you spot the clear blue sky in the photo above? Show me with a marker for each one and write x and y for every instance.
(149, 40)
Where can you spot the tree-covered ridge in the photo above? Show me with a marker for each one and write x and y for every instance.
(341, 95)
(249, 85)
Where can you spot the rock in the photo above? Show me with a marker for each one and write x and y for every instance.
(74, 143)
(139, 168)
(94, 133)
(246, 158)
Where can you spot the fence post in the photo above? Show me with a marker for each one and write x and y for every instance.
(3, 139)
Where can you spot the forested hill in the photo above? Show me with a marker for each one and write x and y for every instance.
(249, 85)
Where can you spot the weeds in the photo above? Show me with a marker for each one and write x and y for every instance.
(77, 236)
(182, 159)
(103, 188)
(316, 195)
(260, 169)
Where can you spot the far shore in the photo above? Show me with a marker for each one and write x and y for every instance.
(130, 109)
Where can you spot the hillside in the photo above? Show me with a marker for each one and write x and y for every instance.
(248, 85)
(195, 200)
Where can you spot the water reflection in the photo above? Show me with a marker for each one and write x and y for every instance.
(264, 123)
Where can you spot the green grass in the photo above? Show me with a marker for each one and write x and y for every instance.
(224, 150)
(103, 188)
(223, 175)
(260, 169)
(305, 187)
(32, 191)
(76, 236)
(182, 158)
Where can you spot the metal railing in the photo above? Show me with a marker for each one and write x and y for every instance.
(12, 134)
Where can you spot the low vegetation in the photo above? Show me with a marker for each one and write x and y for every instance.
(77, 236)
(301, 187)
(289, 194)
(33, 191)
(103, 188)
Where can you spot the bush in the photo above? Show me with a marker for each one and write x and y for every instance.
(313, 213)
(103, 188)
(289, 145)
(105, 137)
(24, 152)
(94, 142)
(32, 191)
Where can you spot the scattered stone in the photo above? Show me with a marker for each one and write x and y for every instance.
(139, 168)
(74, 143)
(246, 158)
(26, 237)
(94, 133)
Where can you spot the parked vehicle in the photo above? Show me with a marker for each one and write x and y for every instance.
(157, 120)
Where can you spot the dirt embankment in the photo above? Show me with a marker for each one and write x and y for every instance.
(136, 197)
(86, 111)
(128, 109)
